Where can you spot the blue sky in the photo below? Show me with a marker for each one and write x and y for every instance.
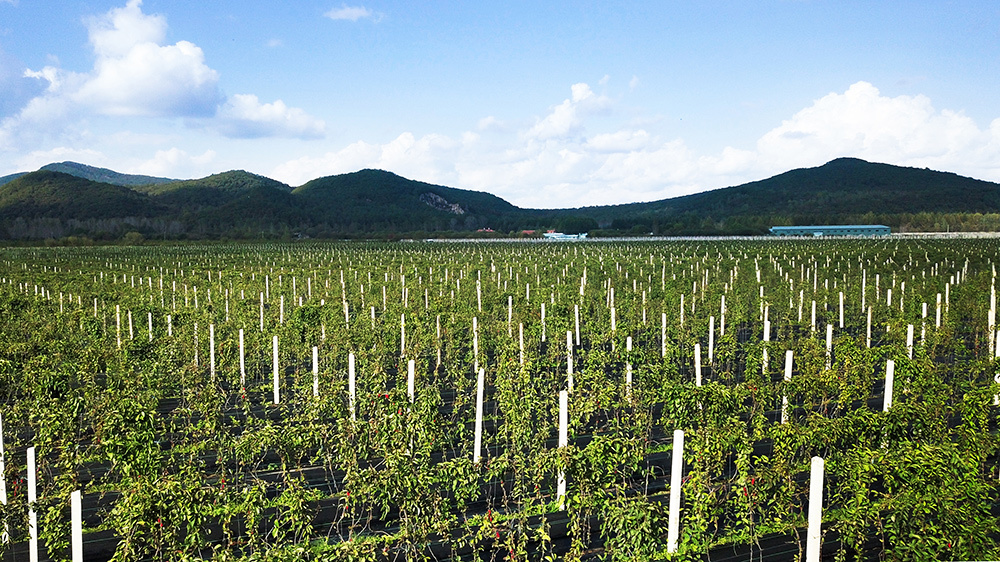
(547, 104)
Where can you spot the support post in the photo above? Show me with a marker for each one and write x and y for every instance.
(676, 469)
(478, 439)
(814, 537)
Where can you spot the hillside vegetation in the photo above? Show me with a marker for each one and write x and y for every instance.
(376, 203)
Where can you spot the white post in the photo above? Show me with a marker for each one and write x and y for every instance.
(569, 360)
(722, 317)
(937, 312)
(868, 330)
(543, 321)
(170, 326)
(262, 312)
(788, 377)
(475, 343)
(149, 320)
(909, 340)
(243, 364)
(890, 375)
(765, 359)
(676, 468)
(829, 346)
(118, 325)
(711, 340)
(411, 379)
(628, 368)
(477, 446)
(32, 516)
(350, 383)
(281, 310)
(682, 312)
(402, 335)
(274, 362)
(563, 442)
(841, 310)
(211, 350)
(697, 364)
(315, 371)
(76, 517)
(814, 537)
(576, 314)
(663, 331)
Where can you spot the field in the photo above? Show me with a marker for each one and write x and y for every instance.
(203, 400)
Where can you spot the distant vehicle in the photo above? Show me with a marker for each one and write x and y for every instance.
(562, 236)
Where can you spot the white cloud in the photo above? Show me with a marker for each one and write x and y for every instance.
(275, 43)
(349, 13)
(243, 116)
(633, 83)
(177, 163)
(861, 122)
(114, 34)
(153, 80)
(38, 158)
(567, 117)
(490, 123)
(555, 163)
(619, 141)
(429, 158)
(136, 75)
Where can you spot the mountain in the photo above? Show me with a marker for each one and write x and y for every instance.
(57, 195)
(239, 204)
(103, 175)
(845, 190)
(11, 177)
(375, 200)
(92, 173)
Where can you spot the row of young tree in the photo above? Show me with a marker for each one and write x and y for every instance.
(291, 401)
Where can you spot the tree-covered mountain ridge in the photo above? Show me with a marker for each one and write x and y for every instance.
(70, 199)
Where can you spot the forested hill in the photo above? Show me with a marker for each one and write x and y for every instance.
(843, 191)
(64, 199)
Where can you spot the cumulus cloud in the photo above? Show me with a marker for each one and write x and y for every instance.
(38, 158)
(243, 116)
(153, 80)
(115, 33)
(175, 162)
(137, 75)
(863, 123)
(15, 88)
(428, 158)
(349, 13)
(556, 162)
(567, 117)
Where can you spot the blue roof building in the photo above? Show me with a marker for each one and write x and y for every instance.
(832, 230)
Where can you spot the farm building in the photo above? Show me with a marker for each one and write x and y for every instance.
(832, 230)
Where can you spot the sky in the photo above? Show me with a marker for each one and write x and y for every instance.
(546, 104)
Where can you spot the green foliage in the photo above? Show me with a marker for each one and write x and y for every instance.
(186, 462)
